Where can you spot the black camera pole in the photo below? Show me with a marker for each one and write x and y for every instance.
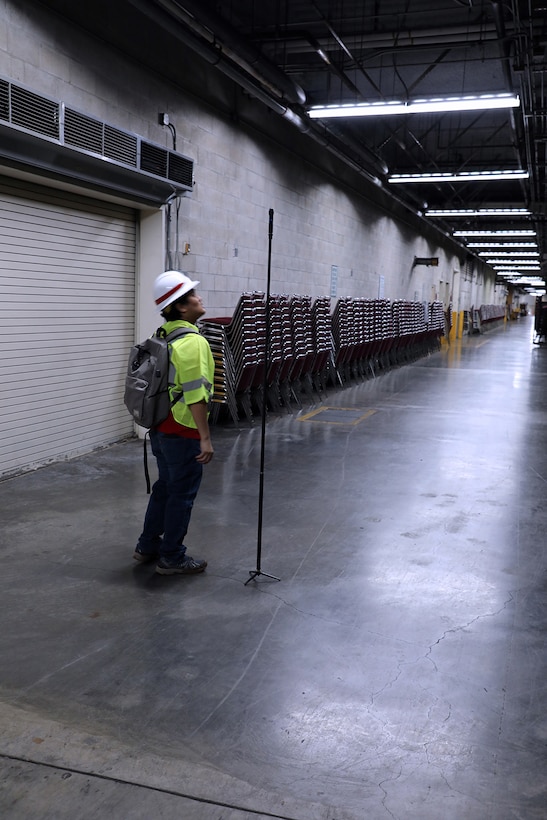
(256, 572)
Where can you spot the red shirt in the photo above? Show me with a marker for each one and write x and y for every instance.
(173, 428)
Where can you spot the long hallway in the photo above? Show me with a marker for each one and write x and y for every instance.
(398, 668)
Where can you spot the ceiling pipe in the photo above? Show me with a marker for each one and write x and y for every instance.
(299, 42)
(212, 54)
(358, 148)
(205, 22)
(507, 76)
(367, 162)
(342, 76)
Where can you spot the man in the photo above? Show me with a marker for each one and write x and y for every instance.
(181, 443)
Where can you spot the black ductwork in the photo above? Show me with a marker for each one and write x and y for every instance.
(176, 21)
(198, 16)
(33, 155)
(268, 88)
(37, 132)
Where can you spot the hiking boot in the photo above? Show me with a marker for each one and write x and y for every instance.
(144, 557)
(181, 566)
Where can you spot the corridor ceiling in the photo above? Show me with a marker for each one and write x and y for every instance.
(296, 54)
(352, 51)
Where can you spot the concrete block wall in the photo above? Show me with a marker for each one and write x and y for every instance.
(324, 230)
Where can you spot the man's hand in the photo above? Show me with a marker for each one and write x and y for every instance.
(206, 450)
(199, 414)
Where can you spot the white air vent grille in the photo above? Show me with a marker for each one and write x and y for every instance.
(167, 164)
(89, 134)
(153, 159)
(33, 112)
(4, 100)
(48, 118)
(180, 169)
(83, 132)
(120, 146)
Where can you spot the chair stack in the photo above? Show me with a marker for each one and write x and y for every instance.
(322, 342)
(411, 325)
(367, 351)
(491, 314)
(246, 339)
(307, 346)
(384, 333)
(401, 327)
(280, 318)
(224, 381)
(357, 336)
(436, 325)
(303, 350)
(276, 350)
(421, 321)
(341, 337)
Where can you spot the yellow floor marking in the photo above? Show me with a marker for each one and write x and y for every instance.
(314, 413)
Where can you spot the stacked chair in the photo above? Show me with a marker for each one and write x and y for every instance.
(322, 343)
(357, 319)
(409, 319)
(277, 350)
(368, 337)
(245, 337)
(436, 325)
(384, 334)
(225, 370)
(342, 336)
(491, 314)
(303, 351)
(281, 331)
(308, 347)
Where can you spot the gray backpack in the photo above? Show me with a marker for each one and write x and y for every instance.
(149, 374)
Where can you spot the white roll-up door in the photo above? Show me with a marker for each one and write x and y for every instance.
(67, 284)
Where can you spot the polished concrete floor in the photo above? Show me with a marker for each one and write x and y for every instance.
(398, 668)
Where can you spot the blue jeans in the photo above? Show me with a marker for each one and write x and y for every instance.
(170, 505)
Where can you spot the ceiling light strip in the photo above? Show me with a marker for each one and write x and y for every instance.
(510, 254)
(435, 105)
(514, 212)
(500, 246)
(495, 234)
(507, 263)
(463, 176)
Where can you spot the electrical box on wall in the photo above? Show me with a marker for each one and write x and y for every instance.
(426, 260)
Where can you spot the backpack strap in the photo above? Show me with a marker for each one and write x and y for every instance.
(178, 331)
(146, 473)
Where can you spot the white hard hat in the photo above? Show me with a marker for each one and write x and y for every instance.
(170, 286)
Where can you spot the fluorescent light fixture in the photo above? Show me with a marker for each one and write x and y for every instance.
(499, 265)
(495, 246)
(511, 255)
(494, 234)
(436, 105)
(516, 271)
(478, 212)
(463, 176)
(506, 270)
